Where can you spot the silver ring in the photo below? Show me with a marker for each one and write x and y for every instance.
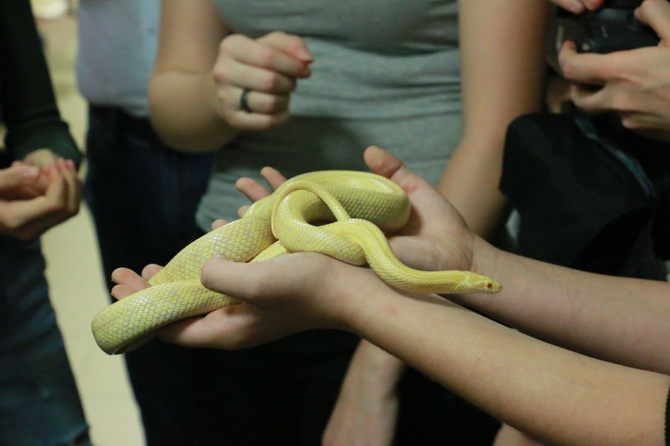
(244, 101)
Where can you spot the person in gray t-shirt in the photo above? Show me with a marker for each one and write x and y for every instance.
(307, 86)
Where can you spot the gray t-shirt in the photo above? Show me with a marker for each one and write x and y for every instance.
(117, 48)
(384, 73)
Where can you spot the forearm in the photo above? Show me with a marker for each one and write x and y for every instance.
(499, 82)
(183, 111)
(619, 319)
(27, 101)
(376, 367)
(476, 195)
(553, 394)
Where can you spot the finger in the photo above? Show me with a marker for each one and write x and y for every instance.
(242, 210)
(428, 205)
(264, 54)
(17, 176)
(20, 229)
(289, 44)
(239, 280)
(589, 100)
(592, 5)
(150, 270)
(225, 328)
(383, 163)
(73, 187)
(122, 291)
(59, 195)
(273, 177)
(233, 75)
(251, 189)
(646, 124)
(656, 14)
(233, 112)
(267, 103)
(574, 6)
(584, 68)
(129, 278)
(216, 224)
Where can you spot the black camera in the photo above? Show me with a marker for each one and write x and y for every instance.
(610, 28)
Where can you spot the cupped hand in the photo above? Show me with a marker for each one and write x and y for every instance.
(304, 291)
(33, 200)
(436, 236)
(279, 297)
(268, 68)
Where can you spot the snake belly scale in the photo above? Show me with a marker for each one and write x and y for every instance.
(354, 211)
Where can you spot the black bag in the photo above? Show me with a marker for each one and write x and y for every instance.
(585, 201)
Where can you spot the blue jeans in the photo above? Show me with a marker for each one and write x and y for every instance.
(39, 402)
(143, 197)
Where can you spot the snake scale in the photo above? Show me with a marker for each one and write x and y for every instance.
(343, 214)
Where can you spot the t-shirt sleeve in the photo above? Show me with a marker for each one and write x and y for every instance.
(27, 101)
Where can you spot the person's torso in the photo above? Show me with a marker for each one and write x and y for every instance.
(117, 48)
(384, 73)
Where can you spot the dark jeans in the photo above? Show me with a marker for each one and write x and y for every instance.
(143, 197)
(283, 394)
(39, 402)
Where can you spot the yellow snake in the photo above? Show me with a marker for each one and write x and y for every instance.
(354, 211)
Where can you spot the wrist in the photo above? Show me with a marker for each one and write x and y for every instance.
(485, 257)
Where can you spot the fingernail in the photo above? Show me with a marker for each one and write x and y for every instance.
(304, 55)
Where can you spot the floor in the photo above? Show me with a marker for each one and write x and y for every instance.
(102, 381)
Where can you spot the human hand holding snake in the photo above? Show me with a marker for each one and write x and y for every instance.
(291, 310)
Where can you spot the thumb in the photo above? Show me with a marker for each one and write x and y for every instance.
(383, 163)
(236, 279)
(656, 14)
(17, 176)
(290, 44)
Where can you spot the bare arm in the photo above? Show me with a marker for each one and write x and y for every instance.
(502, 68)
(182, 92)
(202, 72)
(554, 394)
(620, 319)
(500, 82)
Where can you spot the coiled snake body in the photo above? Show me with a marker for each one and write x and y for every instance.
(357, 207)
